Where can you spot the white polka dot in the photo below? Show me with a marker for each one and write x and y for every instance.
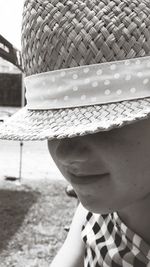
(86, 70)
(99, 72)
(75, 76)
(53, 79)
(128, 77)
(116, 75)
(59, 89)
(66, 97)
(83, 97)
(137, 62)
(75, 88)
(139, 74)
(133, 90)
(63, 73)
(106, 82)
(127, 62)
(119, 92)
(49, 91)
(86, 81)
(43, 83)
(107, 92)
(113, 66)
(93, 99)
(145, 81)
(95, 84)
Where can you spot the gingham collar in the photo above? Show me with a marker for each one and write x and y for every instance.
(130, 235)
(109, 242)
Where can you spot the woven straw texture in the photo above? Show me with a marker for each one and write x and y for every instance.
(62, 34)
(50, 124)
(57, 35)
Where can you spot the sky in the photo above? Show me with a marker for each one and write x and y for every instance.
(10, 20)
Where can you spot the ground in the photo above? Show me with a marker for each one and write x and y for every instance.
(34, 211)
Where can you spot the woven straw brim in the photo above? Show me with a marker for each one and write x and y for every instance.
(50, 124)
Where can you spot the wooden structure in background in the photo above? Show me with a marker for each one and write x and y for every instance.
(10, 53)
(11, 87)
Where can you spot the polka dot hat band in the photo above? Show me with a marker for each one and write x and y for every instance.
(89, 85)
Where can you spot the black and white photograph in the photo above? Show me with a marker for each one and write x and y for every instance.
(75, 133)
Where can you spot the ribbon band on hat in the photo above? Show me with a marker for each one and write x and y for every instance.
(89, 85)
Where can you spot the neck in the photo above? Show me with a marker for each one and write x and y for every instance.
(137, 218)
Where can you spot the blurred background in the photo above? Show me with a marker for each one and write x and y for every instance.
(10, 30)
(24, 158)
(35, 210)
(10, 20)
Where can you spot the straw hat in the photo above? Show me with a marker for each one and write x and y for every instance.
(86, 65)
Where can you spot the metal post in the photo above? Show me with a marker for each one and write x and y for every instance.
(21, 143)
(20, 165)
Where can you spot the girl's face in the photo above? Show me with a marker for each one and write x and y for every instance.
(108, 170)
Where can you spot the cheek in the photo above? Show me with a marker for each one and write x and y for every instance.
(130, 171)
(132, 184)
(52, 152)
(52, 145)
(130, 160)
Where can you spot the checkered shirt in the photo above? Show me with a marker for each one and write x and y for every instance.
(110, 243)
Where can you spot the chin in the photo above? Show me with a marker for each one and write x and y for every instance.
(95, 207)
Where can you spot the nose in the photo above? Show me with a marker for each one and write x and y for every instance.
(71, 151)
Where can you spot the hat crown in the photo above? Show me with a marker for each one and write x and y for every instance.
(58, 35)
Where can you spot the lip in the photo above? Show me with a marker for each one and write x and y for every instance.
(89, 179)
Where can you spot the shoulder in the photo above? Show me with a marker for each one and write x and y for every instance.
(72, 252)
(79, 218)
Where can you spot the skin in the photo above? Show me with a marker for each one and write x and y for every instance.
(123, 156)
